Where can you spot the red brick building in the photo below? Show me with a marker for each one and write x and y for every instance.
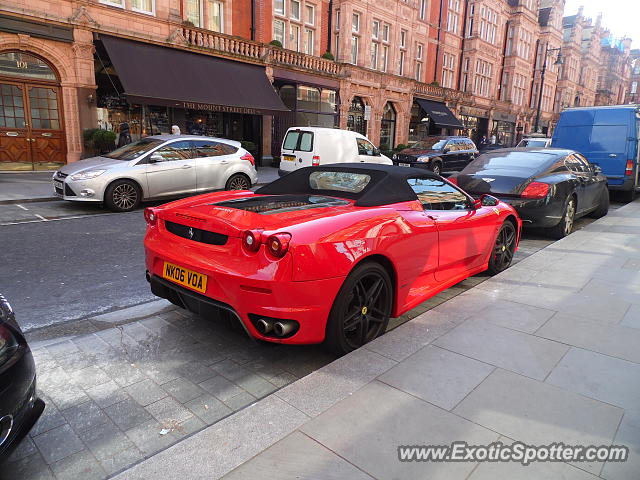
(392, 68)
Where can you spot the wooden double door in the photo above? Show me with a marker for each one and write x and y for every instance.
(31, 126)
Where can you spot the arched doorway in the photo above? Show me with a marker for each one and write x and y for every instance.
(31, 125)
(355, 119)
(388, 127)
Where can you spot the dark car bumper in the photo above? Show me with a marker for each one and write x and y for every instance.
(538, 213)
(20, 407)
(412, 164)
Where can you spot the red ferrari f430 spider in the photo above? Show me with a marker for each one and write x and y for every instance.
(325, 254)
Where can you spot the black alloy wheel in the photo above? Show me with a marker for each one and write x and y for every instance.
(123, 196)
(361, 310)
(503, 249)
(238, 181)
(436, 167)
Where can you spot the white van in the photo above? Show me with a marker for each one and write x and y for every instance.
(310, 146)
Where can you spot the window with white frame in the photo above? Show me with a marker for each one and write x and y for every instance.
(354, 49)
(448, 70)
(113, 3)
(355, 22)
(278, 31)
(294, 6)
(143, 6)
(384, 58)
(419, 55)
(453, 16)
(482, 79)
(193, 12)
(465, 75)
(294, 37)
(422, 12)
(418, 71)
(509, 47)
(336, 46)
(525, 39)
(403, 38)
(419, 51)
(518, 90)
(504, 87)
(309, 45)
(375, 29)
(278, 7)
(547, 93)
(310, 18)
(470, 22)
(385, 32)
(215, 16)
(401, 63)
(488, 25)
(337, 20)
(374, 55)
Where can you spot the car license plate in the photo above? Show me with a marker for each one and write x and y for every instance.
(289, 158)
(185, 277)
(57, 184)
(404, 164)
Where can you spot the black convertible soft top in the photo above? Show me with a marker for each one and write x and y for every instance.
(388, 183)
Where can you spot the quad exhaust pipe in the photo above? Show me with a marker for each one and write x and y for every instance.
(278, 328)
(283, 328)
(264, 326)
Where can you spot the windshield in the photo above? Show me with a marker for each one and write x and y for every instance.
(529, 142)
(430, 144)
(134, 150)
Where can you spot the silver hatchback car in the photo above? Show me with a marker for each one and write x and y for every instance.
(157, 167)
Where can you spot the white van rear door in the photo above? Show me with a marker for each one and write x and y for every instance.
(297, 150)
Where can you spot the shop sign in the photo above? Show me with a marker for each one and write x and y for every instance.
(474, 112)
(219, 108)
(367, 112)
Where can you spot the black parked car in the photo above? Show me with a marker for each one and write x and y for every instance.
(20, 408)
(438, 154)
(549, 187)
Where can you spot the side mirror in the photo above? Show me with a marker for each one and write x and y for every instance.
(376, 152)
(485, 200)
(156, 158)
(446, 150)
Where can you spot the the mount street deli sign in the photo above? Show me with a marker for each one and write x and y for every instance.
(219, 108)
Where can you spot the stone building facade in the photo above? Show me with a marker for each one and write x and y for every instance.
(633, 93)
(386, 68)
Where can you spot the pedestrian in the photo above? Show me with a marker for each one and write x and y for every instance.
(484, 141)
(493, 139)
(125, 135)
(175, 130)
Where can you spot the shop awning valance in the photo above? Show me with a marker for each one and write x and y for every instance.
(439, 113)
(158, 75)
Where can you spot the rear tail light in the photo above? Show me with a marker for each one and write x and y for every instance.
(150, 216)
(248, 157)
(315, 161)
(251, 240)
(278, 244)
(453, 180)
(535, 190)
(629, 169)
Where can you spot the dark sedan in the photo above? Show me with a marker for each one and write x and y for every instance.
(20, 407)
(549, 187)
(438, 154)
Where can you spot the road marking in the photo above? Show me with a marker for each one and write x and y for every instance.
(41, 217)
(20, 206)
(65, 218)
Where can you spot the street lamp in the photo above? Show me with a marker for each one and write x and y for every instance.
(548, 51)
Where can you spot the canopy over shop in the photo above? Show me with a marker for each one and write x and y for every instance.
(152, 87)
(429, 117)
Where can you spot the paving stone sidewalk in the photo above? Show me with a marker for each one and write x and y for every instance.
(548, 351)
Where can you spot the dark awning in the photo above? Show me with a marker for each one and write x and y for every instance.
(168, 76)
(439, 113)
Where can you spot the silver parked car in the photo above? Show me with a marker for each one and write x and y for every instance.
(156, 167)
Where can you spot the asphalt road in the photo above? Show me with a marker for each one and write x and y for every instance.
(59, 270)
(63, 261)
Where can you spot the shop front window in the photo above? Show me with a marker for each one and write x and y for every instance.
(388, 127)
(355, 119)
(418, 126)
(308, 98)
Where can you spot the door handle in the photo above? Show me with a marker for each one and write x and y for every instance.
(185, 166)
(224, 162)
(612, 155)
